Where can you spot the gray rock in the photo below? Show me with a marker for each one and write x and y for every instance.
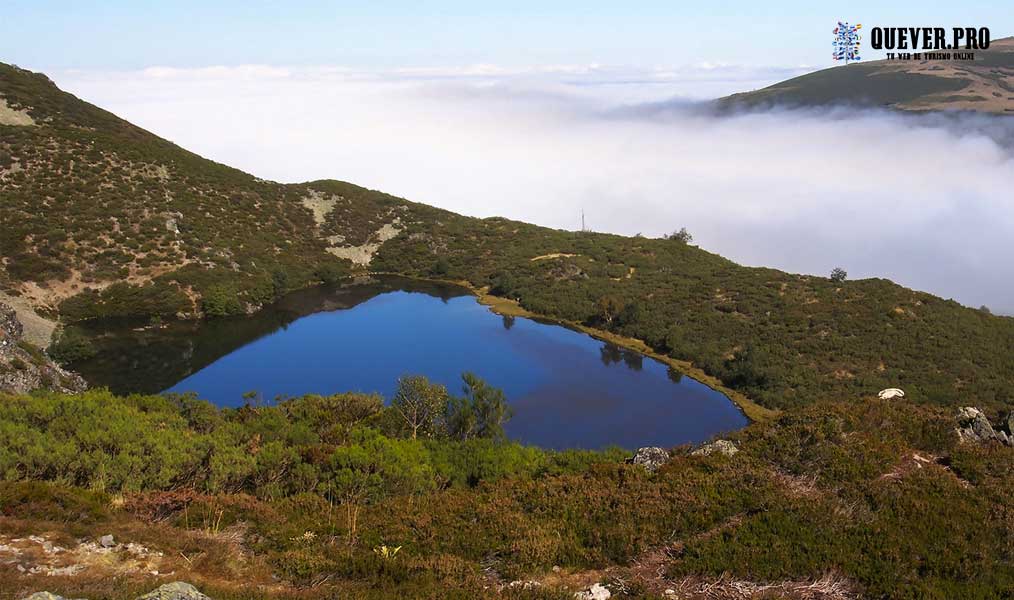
(650, 457)
(107, 541)
(522, 584)
(720, 446)
(11, 329)
(177, 590)
(974, 427)
(595, 592)
(172, 222)
(22, 370)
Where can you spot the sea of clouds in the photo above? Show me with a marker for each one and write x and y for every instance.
(925, 201)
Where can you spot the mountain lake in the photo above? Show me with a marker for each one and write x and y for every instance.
(567, 389)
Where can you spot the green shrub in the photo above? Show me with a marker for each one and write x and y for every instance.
(221, 301)
(48, 502)
(71, 345)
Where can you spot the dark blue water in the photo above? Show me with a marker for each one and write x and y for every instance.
(568, 390)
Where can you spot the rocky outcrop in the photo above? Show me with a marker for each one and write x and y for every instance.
(177, 590)
(720, 446)
(363, 254)
(24, 367)
(595, 592)
(650, 457)
(13, 115)
(11, 329)
(974, 427)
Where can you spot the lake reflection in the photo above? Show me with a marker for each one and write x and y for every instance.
(568, 389)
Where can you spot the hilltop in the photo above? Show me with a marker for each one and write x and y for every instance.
(102, 218)
(983, 85)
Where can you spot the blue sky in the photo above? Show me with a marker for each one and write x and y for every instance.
(130, 34)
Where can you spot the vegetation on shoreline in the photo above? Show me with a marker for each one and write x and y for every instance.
(753, 411)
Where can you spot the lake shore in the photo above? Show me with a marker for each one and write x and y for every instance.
(511, 308)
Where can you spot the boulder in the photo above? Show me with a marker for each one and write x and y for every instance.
(177, 590)
(107, 541)
(891, 394)
(650, 457)
(974, 427)
(720, 446)
(595, 592)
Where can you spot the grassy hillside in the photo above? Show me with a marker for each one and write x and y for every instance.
(841, 501)
(785, 340)
(104, 219)
(985, 84)
(91, 202)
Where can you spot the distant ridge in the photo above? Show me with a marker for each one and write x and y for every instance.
(983, 85)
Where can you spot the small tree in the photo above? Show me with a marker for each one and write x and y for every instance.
(420, 403)
(371, 468)
(253, 398)
(440, 268)
(682, 236)
(838, 275)
(279, 282)
(356, 482)
(608, 308)
(220, 301)
(460, 419)
(630, 315)
(481, 412)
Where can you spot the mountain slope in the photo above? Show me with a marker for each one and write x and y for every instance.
(101, 218)
(91, 200)
(985, 85)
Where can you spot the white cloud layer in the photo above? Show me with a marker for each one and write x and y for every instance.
(926, 202)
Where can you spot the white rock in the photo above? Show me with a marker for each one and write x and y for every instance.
(891, 394)
(595, 592)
